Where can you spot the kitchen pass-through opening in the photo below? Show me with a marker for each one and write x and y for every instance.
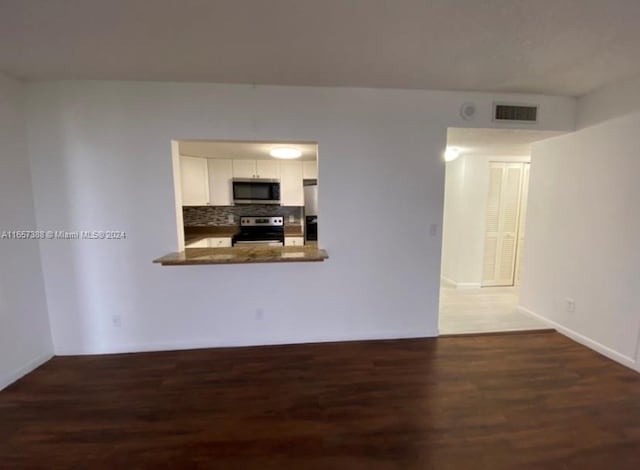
(245, 193)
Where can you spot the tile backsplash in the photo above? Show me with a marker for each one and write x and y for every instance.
(203, 216)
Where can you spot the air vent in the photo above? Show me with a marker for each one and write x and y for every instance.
(515, 113)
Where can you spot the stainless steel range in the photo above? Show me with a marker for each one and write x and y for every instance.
(257, 230)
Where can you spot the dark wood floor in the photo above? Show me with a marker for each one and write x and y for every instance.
(504, 401)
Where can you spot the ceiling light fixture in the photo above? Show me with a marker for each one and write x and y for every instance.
(451, 154)
(286, 153)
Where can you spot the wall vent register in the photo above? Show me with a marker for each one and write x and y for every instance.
(515, 113)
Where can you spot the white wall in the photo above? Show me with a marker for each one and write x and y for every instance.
(101, 160)
(466, 194)
(452, 218)
(609, 102)
(582, 231)
(25, 338)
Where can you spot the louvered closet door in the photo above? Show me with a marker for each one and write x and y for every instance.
(503, 209)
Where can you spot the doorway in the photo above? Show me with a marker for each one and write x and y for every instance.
(484, 230)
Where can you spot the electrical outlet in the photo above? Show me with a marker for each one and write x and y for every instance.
(292, 219)
(259, 314)
(231, 219)
(570, 305)
(117, 321)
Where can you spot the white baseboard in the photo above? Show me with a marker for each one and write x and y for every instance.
(585, 341)
(244, 342)
(468, 285)
(460, 285)
(8, 379)
(447, 281)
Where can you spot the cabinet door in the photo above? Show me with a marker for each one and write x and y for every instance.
(220, 175)
(219, 242)
(267, 169)
(293, 241)
(310, 170)
(195, 181)
(291, 189)
(244, 169)
(199, 244)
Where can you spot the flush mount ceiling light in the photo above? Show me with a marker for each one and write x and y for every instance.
(286, 153)
(451, 154)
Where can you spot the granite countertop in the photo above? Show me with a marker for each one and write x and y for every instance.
(243, 255)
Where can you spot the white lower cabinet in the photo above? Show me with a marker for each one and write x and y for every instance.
(199, 244)
(219, 242)
(211, 242)
(293, 241)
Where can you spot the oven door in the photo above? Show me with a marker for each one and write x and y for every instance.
(250, 191)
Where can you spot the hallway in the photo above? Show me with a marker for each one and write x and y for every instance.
(482, 310)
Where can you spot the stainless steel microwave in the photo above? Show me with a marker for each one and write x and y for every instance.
(256, 191)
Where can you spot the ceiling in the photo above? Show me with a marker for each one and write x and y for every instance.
(567, 47)
(243, 150)
(496, 142)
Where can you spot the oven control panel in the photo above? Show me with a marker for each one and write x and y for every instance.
(257, 221)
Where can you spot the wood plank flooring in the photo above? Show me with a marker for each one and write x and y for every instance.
(535, 400)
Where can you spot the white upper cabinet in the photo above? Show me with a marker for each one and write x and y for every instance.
(244, 169)
(209, 181)
(268, 169)
(291, 188)
(195, 181)
(310, 170)
(220, 187)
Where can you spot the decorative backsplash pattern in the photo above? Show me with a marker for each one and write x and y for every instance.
(206, 216)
